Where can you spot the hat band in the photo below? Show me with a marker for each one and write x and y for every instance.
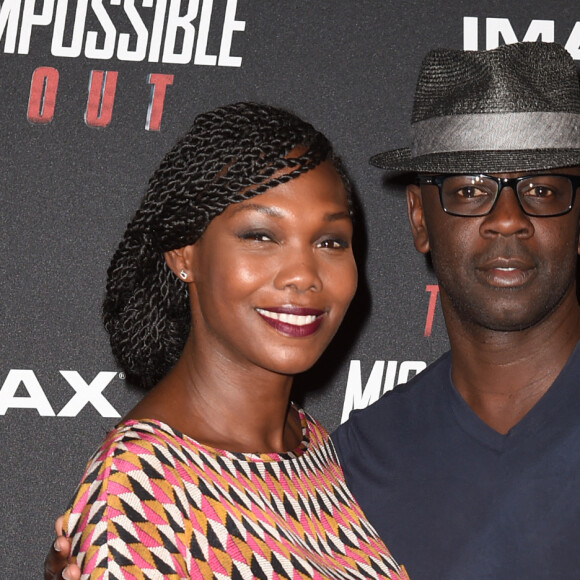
(497, 132)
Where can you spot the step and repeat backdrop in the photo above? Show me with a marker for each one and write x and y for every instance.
(93, 93)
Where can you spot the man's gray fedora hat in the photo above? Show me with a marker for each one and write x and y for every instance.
(514, 108)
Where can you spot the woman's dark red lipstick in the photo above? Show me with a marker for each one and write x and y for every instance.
(292, 321)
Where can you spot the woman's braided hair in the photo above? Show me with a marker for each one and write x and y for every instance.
(230, 154)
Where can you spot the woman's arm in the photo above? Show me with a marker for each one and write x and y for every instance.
(124, 520)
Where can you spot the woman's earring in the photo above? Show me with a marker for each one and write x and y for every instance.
(183, 274)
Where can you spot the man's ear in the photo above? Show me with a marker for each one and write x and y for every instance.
(180, 261)
(417, 218)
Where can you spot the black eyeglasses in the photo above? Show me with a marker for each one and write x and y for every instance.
(546, 195)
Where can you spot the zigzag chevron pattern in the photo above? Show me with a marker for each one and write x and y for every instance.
(155, 504)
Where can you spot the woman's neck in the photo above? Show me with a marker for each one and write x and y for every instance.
(224, 405)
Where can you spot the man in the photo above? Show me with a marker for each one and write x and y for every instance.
(472, 470)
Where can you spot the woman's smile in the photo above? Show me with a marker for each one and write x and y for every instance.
(293, 321)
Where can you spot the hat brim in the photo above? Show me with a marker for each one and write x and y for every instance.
(477, 161)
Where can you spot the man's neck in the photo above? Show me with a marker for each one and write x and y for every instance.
(502, 375)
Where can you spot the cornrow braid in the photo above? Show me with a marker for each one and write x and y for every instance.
(229, 155)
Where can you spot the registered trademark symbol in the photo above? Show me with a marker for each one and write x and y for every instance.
(122, 376)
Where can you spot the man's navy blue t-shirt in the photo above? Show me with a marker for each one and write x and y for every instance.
(454, 499)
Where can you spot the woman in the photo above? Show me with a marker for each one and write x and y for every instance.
(233, 276)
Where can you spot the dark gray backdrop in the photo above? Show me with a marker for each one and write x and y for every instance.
(67, 191)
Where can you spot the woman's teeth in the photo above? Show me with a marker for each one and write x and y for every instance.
(294, 319)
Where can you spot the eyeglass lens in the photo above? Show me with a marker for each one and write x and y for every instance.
(473, 195)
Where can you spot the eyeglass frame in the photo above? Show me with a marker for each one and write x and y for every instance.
(502, 182)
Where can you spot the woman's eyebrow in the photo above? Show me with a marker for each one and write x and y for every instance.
(276, 213)
(339, 215)
(269, 211)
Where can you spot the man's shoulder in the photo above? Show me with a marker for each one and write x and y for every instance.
(411, 403)
(422, 386)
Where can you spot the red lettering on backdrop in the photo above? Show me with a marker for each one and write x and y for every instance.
(102, 88)
(433, 289)
(42, 99)
(159, 86)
